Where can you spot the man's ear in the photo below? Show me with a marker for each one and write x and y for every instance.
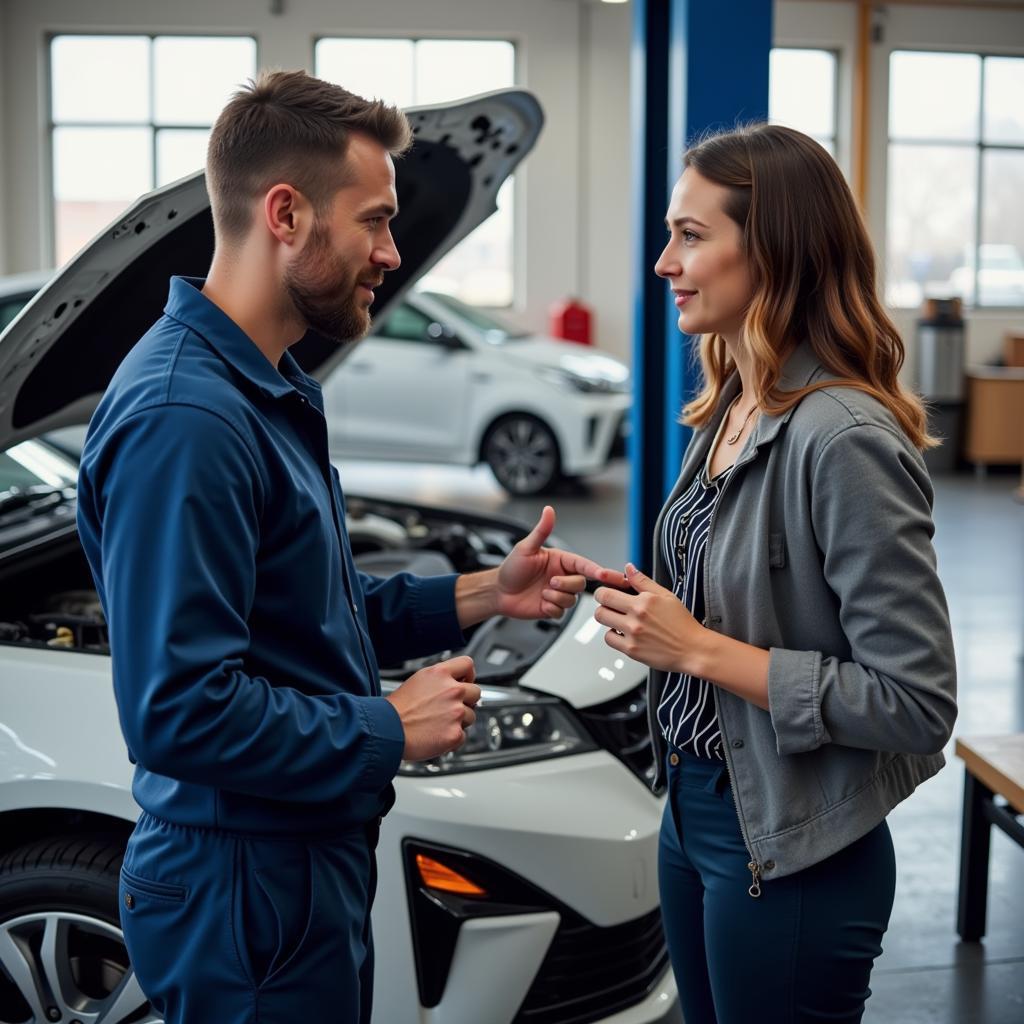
(286, 212)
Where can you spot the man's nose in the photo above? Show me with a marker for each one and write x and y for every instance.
(386, 254)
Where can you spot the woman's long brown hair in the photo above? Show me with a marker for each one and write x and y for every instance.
(813, 271)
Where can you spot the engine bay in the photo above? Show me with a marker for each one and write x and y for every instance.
(49, 602)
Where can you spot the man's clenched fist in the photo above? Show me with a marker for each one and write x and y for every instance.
(436, 707)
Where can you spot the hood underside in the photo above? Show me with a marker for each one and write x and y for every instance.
(58, 356)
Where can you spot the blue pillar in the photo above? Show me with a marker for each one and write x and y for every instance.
(697, 65)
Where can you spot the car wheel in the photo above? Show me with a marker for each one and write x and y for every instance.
(62, 954)
(523, 454)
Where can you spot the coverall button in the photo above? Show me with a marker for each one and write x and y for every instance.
(673, 759)
(737, 744)
(129, 900)
(769, 865)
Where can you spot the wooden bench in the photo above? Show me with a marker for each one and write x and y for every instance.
(994, 767)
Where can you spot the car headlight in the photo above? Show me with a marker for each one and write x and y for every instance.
(576, 382)
(512, 726)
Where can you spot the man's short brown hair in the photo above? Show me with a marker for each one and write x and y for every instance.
(287, 126)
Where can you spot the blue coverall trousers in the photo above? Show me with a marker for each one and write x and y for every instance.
(800, 953)
(230, 929)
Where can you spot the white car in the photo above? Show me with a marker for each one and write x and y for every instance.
(517, 876)
(443, 381)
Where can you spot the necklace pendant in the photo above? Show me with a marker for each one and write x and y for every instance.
(733, 438)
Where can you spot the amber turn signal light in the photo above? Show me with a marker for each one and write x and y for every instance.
(436, 875)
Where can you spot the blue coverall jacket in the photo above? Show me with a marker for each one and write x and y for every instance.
(241, 634)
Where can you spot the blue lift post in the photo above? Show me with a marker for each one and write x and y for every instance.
(697, 65)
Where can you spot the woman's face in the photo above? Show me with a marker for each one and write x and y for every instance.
(704, 261)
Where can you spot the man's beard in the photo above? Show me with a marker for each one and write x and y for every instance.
(322, 288)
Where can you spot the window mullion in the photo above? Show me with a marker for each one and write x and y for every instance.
(979, 191)
(152, 111)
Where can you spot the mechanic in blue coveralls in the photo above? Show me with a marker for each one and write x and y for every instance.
(244, 640)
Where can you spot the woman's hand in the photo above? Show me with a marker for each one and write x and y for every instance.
(652, 626)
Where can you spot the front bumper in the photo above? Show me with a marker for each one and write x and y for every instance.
(596, 434)
(582, 829)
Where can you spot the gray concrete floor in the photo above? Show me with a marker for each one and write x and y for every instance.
(925, 975)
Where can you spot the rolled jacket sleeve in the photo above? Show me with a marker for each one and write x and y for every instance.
(895, 689)
(180, 497)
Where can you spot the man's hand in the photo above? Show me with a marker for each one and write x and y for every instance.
(535, 582)
(436, 707)
(652, 626)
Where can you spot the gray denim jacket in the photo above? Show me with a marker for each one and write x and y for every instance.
(820, 551)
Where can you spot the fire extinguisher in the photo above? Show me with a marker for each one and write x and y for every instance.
(571, 320)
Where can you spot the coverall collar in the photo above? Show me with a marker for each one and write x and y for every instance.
(187, 304)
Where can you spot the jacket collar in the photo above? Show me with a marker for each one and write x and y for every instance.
(800, 368)
(187, 304)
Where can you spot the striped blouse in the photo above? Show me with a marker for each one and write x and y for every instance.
(686, 713)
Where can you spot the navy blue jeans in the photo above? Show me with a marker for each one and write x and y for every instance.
(227, 929)
(802, 952)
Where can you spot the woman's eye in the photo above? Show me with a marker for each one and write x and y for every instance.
(689, 236)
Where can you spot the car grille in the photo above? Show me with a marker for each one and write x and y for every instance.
(620, 726)
(590, 973)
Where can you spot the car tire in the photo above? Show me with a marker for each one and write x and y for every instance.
(62, 953)
(523, 454)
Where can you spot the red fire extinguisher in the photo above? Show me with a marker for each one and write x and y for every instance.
(572, 321)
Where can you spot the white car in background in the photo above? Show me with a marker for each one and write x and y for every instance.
(518, 875)
(442, 381)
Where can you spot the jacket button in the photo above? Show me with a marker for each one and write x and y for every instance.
(129, 900)
(673, 759)
(769, 865)
(737, 744)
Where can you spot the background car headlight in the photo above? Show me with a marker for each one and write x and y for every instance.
(512, 726)
(577, 382)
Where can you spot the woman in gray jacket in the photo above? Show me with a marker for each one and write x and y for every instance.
(803, 680)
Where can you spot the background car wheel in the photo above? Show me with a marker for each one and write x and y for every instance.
(62, 954)
(523, 454)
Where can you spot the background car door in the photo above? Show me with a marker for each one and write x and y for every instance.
(402, 393)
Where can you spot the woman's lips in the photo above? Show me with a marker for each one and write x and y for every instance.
(682, 298)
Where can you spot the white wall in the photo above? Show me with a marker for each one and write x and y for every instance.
(558, 179)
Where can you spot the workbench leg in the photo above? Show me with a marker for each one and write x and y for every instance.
(974, 849)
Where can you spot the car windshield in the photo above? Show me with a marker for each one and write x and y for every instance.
(32, 478)
(493, 330)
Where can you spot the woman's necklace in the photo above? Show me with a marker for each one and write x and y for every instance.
(733, 438)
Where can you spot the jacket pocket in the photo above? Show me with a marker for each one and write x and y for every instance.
(155, 890)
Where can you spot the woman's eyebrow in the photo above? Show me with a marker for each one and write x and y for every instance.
(681, 222)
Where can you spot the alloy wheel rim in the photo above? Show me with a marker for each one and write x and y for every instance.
(523, 454)
(69, 968)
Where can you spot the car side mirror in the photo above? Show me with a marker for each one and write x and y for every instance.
(443, 335)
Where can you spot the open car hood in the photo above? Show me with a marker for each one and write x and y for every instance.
(58, 355)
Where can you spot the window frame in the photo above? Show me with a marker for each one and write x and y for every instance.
(50, 124)
(978, 144)
(517, 250)
(836, 55)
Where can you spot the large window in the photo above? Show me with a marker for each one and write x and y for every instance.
(802, 92)
(413, 72)
(955, 220)
(129, 113)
